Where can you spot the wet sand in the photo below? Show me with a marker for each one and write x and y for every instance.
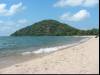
(80, 59)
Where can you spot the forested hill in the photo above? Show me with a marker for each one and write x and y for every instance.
(52, 28)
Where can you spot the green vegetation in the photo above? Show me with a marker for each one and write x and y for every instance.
(52, 28)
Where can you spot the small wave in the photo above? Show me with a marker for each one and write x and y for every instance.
(26, 53)
(45, 50)
(52, 49)
(42, 50)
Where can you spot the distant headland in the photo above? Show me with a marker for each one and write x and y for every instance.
(53, 28)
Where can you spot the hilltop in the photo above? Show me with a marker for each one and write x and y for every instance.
(52, 28)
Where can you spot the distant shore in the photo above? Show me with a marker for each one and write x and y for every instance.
(80, 59)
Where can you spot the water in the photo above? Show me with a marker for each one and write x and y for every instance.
(19, 47)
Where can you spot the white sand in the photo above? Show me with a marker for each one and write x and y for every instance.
(81, 59)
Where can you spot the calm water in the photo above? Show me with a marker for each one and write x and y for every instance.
(17, 45)
(12, 49)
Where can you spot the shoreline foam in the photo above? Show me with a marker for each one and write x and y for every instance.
(31, 54)
(53, 49)
(80, 59)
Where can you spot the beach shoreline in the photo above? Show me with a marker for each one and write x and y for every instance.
(29, 53)
(76, 59)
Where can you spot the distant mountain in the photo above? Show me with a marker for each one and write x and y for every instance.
(49, 28)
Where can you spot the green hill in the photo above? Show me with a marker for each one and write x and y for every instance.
(49, 28)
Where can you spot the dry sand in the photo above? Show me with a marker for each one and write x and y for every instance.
(80, 59)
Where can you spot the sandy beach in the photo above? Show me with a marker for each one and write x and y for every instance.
(80, 59)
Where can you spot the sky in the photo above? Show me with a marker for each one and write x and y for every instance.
(16, 14)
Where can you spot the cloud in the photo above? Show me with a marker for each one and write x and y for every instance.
(7, 27)
(23, 21)
(1, 21)
(89, 3)
(84, 3)
(79, 16)
(15, 8)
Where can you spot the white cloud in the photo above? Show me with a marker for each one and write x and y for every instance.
(86, 3)
(23, 21)
(12, 10)
(7, 27)
(1, 21)
(2, 8)
(79, 16)
(89, 3)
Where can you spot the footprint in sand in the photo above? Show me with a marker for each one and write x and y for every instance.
(17, 65)
(83, 72)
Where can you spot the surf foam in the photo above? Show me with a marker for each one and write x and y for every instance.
(53, 49)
